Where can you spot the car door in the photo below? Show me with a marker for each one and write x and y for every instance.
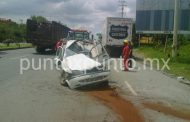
(99, 53)
(59, 55)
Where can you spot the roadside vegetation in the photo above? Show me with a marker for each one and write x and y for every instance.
(12, 31)
(13, 35)
(14, 46)
(180, 66)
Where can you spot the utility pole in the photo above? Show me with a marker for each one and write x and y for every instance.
(175, 30)
(122, 4)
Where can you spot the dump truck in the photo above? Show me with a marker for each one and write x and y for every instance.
(44, 35)
(115, 30)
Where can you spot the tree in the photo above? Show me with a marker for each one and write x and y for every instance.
(13, 31)
(38, 18)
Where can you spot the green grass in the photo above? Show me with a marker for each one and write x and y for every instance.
(14, 46)
(179, 66)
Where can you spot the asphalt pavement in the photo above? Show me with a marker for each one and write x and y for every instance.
(153, 86)
(37, 96)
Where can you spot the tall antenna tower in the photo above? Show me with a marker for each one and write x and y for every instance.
(122, 4)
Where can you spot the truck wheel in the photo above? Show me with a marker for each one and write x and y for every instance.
(40, 49)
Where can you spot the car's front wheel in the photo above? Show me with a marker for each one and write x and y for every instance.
(63, 79)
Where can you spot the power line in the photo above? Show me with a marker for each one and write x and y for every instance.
(122, 4)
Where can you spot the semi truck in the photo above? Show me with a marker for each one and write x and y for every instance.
(115, 30)
(44, 35)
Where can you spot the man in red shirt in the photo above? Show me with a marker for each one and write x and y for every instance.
(125, 54)
(58, 44)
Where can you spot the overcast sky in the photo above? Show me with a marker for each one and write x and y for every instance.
(88, 14)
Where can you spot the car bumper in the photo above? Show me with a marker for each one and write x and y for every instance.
(87, 79)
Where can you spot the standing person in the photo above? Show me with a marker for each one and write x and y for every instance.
(125, 54)
(58, 44)
(130, 54)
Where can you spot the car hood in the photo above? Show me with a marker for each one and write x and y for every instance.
(79, 62)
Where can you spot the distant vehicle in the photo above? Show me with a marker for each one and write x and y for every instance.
(115, 30)
(44, 35)
(82, 64)
(80, 35)
(9, 41)
(75, 34)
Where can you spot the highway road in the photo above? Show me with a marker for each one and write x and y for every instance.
(160, 97)
(38, 96)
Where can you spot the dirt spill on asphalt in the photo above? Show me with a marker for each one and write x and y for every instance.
(167, 110)
(126, 111)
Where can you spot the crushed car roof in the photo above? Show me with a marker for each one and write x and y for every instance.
(81, 62)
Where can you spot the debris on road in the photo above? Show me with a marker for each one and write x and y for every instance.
(126, 111)
(180, 78)
(183, 114)
(183, 80)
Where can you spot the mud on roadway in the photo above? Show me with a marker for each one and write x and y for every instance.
(125, 110)
(160, 107)
(107, 95)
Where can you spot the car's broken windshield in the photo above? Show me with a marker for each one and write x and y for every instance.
(73, 49)
(69, 52)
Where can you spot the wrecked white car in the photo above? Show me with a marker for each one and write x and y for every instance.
(82, 63)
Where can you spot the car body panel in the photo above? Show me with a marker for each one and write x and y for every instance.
(87, 79)
(81, 64)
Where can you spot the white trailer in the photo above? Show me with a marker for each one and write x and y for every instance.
(115, 30)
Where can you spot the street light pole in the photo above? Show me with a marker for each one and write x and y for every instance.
(175, 30)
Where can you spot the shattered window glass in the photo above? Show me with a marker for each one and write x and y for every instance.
(76, 47)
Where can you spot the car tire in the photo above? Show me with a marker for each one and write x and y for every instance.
(63, 79)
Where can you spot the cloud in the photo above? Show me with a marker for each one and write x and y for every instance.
(74, 13)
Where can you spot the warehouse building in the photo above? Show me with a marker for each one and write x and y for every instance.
(157, 16)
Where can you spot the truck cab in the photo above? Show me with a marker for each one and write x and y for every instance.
(79, 35)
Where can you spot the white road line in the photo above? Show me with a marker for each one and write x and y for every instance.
(131, 88)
